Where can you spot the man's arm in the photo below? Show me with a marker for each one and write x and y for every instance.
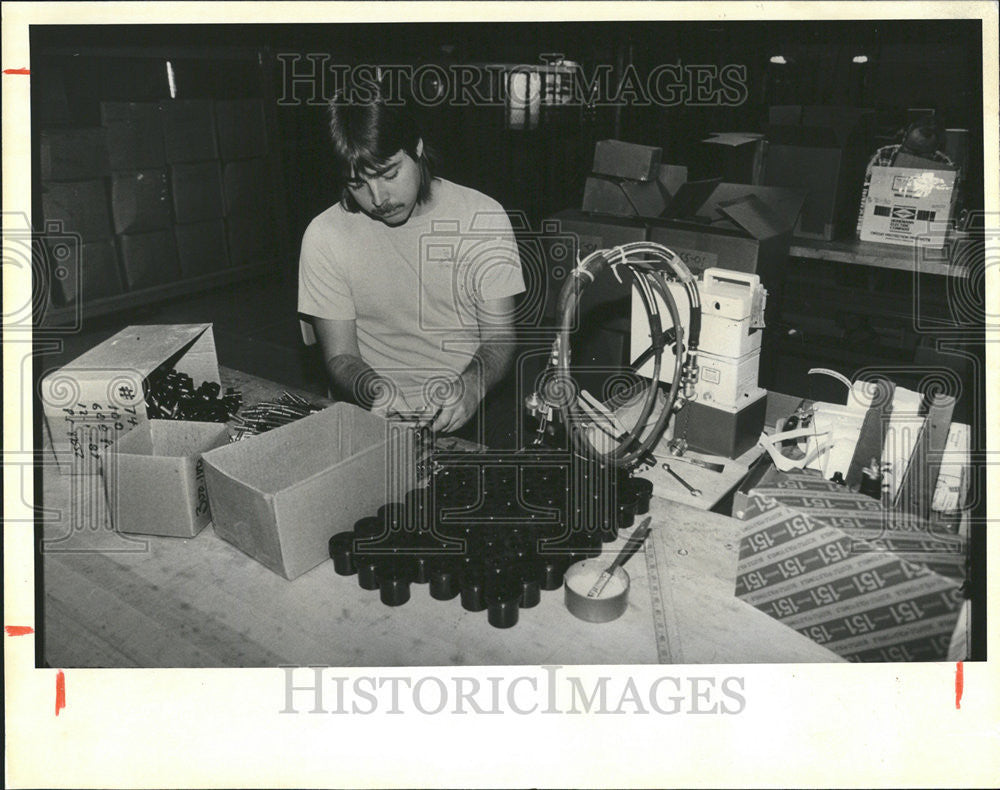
(353, 378)
(488, 365)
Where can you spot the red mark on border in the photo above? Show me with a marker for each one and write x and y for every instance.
(959, 685)
(17, 71)
(18, 630)
(60, 691)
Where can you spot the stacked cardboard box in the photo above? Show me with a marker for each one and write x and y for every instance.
(632, 196)
(78, 234)
(160, 191)
(822, 150)
(245, 174)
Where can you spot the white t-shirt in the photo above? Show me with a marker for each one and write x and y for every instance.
(412, 289)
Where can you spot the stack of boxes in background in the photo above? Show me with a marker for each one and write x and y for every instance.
(74, 168)
(823, 150)
(160, 193)
(632, 196)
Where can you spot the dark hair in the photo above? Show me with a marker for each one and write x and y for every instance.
(367, 134)
(924, 131)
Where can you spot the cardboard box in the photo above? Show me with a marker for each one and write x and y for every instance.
(73, 154)
(201, 247)
(140, 201)
(587, 233)
(846, 121)
(672, 178)
(623, 198)
(734, 226)
(83, 272)
(626, 160)
(197, 191)
(824, 152)
(739, 156)
(905, 204)
(149, 259)
(134, 135)
(81, 207)
(868, 584)
(241, 128)
(189, 130)
(245, 186)
(100, 395)
(155, 477)
(280, 496)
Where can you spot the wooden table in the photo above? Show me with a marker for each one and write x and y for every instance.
(125, 601)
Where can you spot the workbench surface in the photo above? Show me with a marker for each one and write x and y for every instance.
(140, 601)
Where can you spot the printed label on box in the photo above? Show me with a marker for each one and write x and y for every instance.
(906, 203)
(835, 567)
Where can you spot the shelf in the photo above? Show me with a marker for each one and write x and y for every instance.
(882, 256)
(57, 316)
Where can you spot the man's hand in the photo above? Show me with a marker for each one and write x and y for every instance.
(467, 390)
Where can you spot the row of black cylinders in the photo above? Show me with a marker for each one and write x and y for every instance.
(494, 565)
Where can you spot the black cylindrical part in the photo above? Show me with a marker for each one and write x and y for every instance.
(474, 588)
(553, 568)
(366, 565)
(502, 609)
(394, 579)
(444, 581)
(342, 553)
(642, 491)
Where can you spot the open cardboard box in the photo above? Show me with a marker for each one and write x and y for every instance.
(822, 150)
(740, 227)
(280, 496)
(155, 479)
(98, 397)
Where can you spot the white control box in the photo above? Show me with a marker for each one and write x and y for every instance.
(732, 310)
(725, 382)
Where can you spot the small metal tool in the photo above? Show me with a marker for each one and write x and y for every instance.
(694, 491)
(709, 465)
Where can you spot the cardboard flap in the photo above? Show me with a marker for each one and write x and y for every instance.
(671, 178)
(733, 139)
(144, 348)
(753, 215)
(782, 205)
(690, 197)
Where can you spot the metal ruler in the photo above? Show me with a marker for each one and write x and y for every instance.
(668, 645)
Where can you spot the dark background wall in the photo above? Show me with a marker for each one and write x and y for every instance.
(910, 64)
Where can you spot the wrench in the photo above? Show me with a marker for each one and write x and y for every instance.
(694, 491)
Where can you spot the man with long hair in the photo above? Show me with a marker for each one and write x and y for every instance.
(410, 279)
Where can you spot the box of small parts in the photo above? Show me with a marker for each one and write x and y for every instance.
(869, 584)
(155, 478)
(101, 395)
(279, 496)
